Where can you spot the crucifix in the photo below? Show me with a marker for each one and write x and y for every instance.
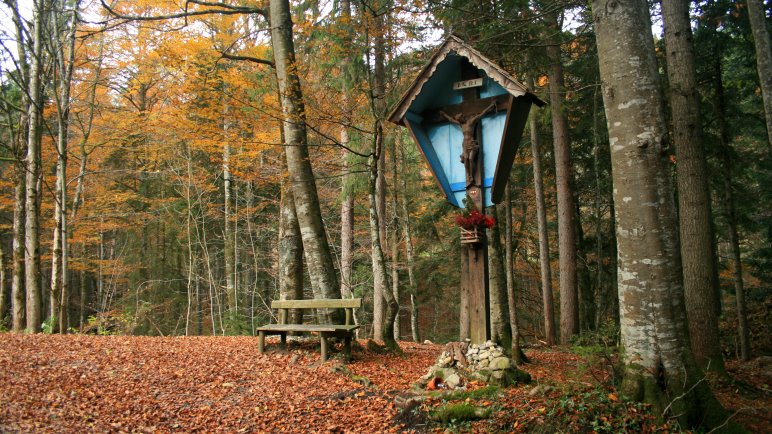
(474, 257)
(457, 72)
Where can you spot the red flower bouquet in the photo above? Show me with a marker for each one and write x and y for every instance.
(475, 219)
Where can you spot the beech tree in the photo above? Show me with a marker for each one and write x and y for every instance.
(659, 367)
(301, 176)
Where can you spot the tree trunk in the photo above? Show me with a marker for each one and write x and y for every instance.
(409, 255)
(18, 310)
(731, 217)
(347, 203)
(379, 262)
(658, 365)
(321, 268)
(3, 292)
(701, 290)
(233, 321)
(394, 235)
(64, 54)
(510, 270)
(378, 95)
(499, 306)
(290, 254)
(569, 296)
(31, 223)
(464, 324)
(758, 17)
(544, 242)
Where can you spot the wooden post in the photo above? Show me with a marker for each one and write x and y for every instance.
(347, 346)
(479, 312)
(261, 342)
(324, 347)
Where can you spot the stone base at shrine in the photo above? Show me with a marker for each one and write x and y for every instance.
(462, 362)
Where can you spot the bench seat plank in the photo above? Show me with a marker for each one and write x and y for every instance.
(317, 303)
(282, 328)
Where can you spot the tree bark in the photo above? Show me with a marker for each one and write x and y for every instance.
(379, 262)
(510, 270)
(64, 55)
(233, 320)
(409, 255)
(394, 237)
(31, 223)
(290, 254)
(658, 364)
(347, 203)
(499, 305)
(18, 309)
(378, 96)
(3, 292)
(544, 242)
(695, 221)
(569, 295)
(758, 17)
(301, 177)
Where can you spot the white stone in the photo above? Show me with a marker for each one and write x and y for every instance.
(452, 381)
(500, 363)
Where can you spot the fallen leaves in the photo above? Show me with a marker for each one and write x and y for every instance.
(221, 384)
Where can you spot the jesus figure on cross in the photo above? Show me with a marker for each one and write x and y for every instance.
(471, 147)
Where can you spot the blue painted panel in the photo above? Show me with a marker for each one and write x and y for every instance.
(447, 140)
(430, 153)
(493, 128)
(491, 88)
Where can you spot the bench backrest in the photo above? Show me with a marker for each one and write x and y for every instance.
(328, 303)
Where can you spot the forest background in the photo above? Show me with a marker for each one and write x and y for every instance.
(150, 163)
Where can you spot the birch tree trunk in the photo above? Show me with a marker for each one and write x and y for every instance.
(569, 294)
(758, 17)
(658, 364)
(544, 242)
(301, 177)
(31, 224)
(695, 221)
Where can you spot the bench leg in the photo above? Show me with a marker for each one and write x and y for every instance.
(324, 348)
(261, 342)
(284, 339)
(347, 346)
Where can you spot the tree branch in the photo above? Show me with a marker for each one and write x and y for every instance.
(248, 59)
(220, 8)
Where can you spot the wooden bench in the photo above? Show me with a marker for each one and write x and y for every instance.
(325, 331)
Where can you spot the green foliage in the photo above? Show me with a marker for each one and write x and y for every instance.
(490, 391)
(48, 325)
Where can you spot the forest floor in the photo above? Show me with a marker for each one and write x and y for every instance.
(76, 383)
